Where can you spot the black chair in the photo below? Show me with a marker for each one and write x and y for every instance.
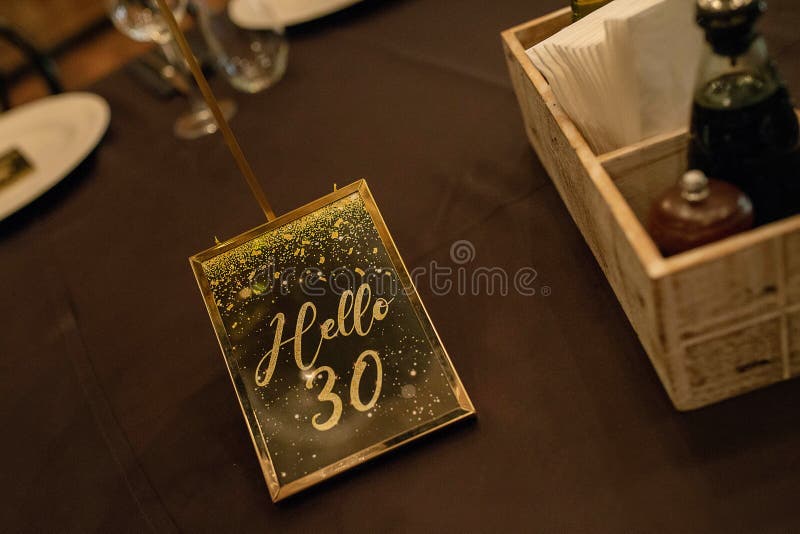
(44, 65)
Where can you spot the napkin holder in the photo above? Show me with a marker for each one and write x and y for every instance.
(717, 321)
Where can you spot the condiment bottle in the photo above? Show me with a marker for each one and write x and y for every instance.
(698, 211)
(744, 128)
(581, 8)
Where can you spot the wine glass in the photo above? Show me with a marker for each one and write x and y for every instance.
(141, 20)
(247, 41)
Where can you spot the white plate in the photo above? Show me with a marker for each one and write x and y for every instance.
(55, 134)
(292, 12)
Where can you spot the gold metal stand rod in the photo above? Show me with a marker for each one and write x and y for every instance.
(208, 95)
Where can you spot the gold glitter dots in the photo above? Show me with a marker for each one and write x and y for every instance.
(259, 288)
(408, 391)
(271, 273)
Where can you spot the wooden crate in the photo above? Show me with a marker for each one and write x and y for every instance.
(717, 321)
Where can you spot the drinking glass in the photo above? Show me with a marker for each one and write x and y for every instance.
(247, 41)
(141, 21)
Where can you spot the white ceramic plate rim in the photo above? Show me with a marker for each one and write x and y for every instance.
(87, 113)
(292, 12)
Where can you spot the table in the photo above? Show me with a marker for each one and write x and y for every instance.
(118, 412)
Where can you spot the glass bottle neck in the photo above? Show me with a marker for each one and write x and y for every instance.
(736, 81)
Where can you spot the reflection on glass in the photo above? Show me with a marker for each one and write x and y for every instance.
(141, 20)
(327, 339)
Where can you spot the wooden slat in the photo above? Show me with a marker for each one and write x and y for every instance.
(48, 23)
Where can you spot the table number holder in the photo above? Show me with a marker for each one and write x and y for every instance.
(326, 275)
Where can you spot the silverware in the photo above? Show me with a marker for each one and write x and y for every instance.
(13, 166)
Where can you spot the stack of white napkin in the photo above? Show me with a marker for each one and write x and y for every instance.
(625, 72)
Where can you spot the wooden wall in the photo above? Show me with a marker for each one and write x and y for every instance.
(48, 22)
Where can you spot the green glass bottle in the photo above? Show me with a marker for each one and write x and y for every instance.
(581, 8)
(744, 128)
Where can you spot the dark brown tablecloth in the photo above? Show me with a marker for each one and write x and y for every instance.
(117, 411)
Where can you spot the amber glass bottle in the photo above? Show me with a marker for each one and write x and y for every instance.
(744, 128)
(697, 211)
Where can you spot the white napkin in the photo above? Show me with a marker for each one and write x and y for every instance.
(626, 71)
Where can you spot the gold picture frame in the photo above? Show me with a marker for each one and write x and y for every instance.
(416, 392)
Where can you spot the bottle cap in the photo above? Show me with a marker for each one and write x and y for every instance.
(729, 23)
(694, 186)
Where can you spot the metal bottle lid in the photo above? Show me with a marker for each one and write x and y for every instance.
(729, 23)
(694, 186)
(730, 9)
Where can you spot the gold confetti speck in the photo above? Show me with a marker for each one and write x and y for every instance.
(245, 270)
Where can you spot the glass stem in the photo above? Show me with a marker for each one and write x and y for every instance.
(199, 10)
(175, 58)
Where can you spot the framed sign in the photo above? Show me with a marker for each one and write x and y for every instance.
(331, 352)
